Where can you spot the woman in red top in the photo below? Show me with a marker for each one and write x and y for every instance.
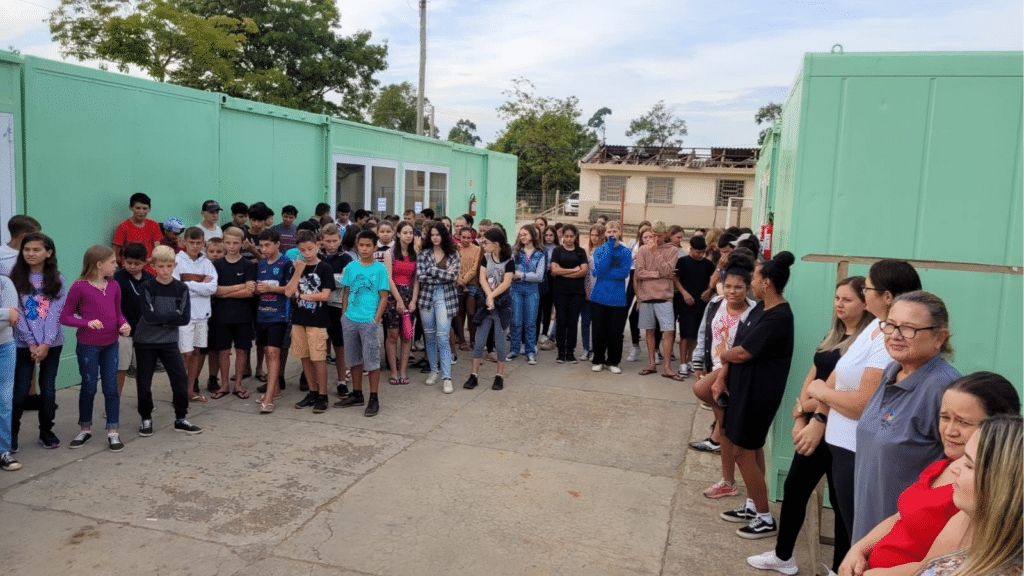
(899, 544)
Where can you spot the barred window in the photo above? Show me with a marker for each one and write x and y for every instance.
(659, 190)
(728, 189)
(612, 188)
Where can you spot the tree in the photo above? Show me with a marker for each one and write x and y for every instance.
(395, 108)
(282, 52)
(658, 127)
(547, 136)
(464, 132)
(767, 114)
(597, 122)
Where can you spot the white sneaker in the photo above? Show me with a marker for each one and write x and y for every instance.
(447, 386)
(615, 370)
(432, 379)
(597, 367)
(531, 359)
(634, 353)
(684, 370)
(543, 338)
(657, 356)
(769, 561)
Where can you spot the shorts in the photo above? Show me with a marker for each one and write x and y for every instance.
(192, 336)
(689, 320)
(657, 315)
(392, 317)
(226, 336)
(363, 344)
(271, 334)
(125, 353)
(309, 342)
(334, 329)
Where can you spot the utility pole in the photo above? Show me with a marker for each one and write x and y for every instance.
(432, 126)
(423, 66)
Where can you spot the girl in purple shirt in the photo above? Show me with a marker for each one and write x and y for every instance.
(93, 305)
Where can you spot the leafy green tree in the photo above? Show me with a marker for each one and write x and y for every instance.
(283, 52)
(658, 127)
(547, 136)
(464, 132)
(395, 108)
(597, 123)
(767, 114)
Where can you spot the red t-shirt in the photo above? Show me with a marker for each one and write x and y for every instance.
(148, 234)
(924, 512)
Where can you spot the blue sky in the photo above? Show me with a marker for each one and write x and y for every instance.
(715, 63)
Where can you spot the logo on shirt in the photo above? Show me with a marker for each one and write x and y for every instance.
(889, 416)
(309, 284)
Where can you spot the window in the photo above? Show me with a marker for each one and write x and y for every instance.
(612, 188)
(728, 189)
(415, 190)
(659, 190)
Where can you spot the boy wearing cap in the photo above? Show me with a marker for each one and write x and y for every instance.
(200, 276)
(172, 228)
(211, 214)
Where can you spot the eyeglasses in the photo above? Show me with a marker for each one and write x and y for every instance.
(908, 332)
(865, 289)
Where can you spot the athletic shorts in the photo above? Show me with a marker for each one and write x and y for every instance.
(125, 353)
(193, 336)
(227, 336)
(309, 342)
(689, 321)
(271, 334)
(657, 315)
(363, 344)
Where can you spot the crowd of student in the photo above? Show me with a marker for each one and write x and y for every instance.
(882, 414)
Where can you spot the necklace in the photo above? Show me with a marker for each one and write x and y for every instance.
(102, 288)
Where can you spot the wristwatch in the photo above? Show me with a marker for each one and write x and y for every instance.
(820, 417)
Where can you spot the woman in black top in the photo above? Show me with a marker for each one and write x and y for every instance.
(811, 463)
(569, 266)
(755, 372)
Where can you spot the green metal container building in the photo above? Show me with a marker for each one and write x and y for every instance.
(914, 156)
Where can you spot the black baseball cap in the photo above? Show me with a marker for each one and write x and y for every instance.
(211, 206)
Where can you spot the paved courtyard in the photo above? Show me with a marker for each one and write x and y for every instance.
(565, 472)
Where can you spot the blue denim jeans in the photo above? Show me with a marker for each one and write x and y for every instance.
(585, 325)
(435, 322)
(47, 383)
(525, 303)
(98, 362)
(6, 394)
(491, 323)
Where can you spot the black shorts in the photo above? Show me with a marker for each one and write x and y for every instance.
(238, 336)
(334, 328)
(271, 334)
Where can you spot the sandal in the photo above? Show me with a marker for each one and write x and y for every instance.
(675, 377)
(241, 394)
(261, 377)
(403, 380)
(266, 408)
(393, 381)
(465, 347)
(198, 398)
(218, 394)
(647, 371)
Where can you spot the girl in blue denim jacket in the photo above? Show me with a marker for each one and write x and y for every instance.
(531, 264)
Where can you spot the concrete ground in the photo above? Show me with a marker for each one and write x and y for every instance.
(563, 472)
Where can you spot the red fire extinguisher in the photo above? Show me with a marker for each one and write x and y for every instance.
(766, 240)
(472, 205)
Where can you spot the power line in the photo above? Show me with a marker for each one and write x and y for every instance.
(48, 9)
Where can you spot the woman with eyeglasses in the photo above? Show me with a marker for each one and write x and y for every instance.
(898, 432)
(835, 405)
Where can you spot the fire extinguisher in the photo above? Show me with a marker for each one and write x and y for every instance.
(766, 239)
(472, 205)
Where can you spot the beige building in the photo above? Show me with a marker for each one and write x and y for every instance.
(691, 187)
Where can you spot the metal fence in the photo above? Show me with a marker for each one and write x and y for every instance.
(533, 203)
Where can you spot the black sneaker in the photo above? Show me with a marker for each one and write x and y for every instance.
(195, 386)
(352, 399)
(571, 359)
(372, 407)
(741, 514)
(303, 384)
(146, 429)
(7, 462)
(115, 442)
(499, 383)
(306, 402)
(471, 382)
(560, 359)
(212, 384)
(262, 388)
(706, 445)
(80, 440)
(49, 440)
(320, 404)
(455, 359)
(342, 389)
(186, 427)
(281, 385)
(758, 528)
(330, 359)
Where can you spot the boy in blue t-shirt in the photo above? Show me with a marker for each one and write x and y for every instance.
(273, 272)
(365, 296)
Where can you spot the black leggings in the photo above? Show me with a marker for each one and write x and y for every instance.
(634, 314)
(842, 474)
(804, 474)
(547, 300)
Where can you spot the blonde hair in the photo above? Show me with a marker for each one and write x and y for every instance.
(330, 230)
(166, 253)
(93, 256)
(234, 231)
(997, 520)
(600, 236)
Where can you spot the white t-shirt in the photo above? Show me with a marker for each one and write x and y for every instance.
(865, 352)
(208, 234)
(8, 256)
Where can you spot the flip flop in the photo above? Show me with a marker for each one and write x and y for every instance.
(218, 394)
(393, 381)
(198, 398)
(647, 371)
(266, 408)
(241, 394)
(675, 377)
(261, 377)
(403, 380)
